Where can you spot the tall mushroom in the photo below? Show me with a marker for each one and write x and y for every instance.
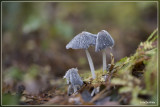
(103, 41)
(83, 41)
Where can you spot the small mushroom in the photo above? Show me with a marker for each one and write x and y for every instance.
(83, 41)
(103, 41)
(74, 80)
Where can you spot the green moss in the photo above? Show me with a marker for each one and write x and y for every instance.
(87, 77)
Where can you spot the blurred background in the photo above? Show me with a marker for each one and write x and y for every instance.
(35, 35)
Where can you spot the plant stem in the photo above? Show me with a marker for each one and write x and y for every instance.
(104, 60)
(90, 64)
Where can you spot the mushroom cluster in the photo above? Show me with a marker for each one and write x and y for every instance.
(101, 41)
(84, 40)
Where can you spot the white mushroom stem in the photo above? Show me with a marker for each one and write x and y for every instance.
(104, 60)
(90, 64)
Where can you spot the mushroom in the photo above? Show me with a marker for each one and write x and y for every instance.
(103, 41)
(74, 80)
(83, 41)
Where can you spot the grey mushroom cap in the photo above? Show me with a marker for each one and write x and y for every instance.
(73, 77)
(104, 40)
(82, 41)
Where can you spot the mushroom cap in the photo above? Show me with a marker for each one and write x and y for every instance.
(73, 77)
(103, 40)
(82, 41)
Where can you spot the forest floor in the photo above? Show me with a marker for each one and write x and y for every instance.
(130, 81)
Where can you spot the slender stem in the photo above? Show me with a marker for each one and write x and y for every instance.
(104, 60)
(90, 64)
(93, 92)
